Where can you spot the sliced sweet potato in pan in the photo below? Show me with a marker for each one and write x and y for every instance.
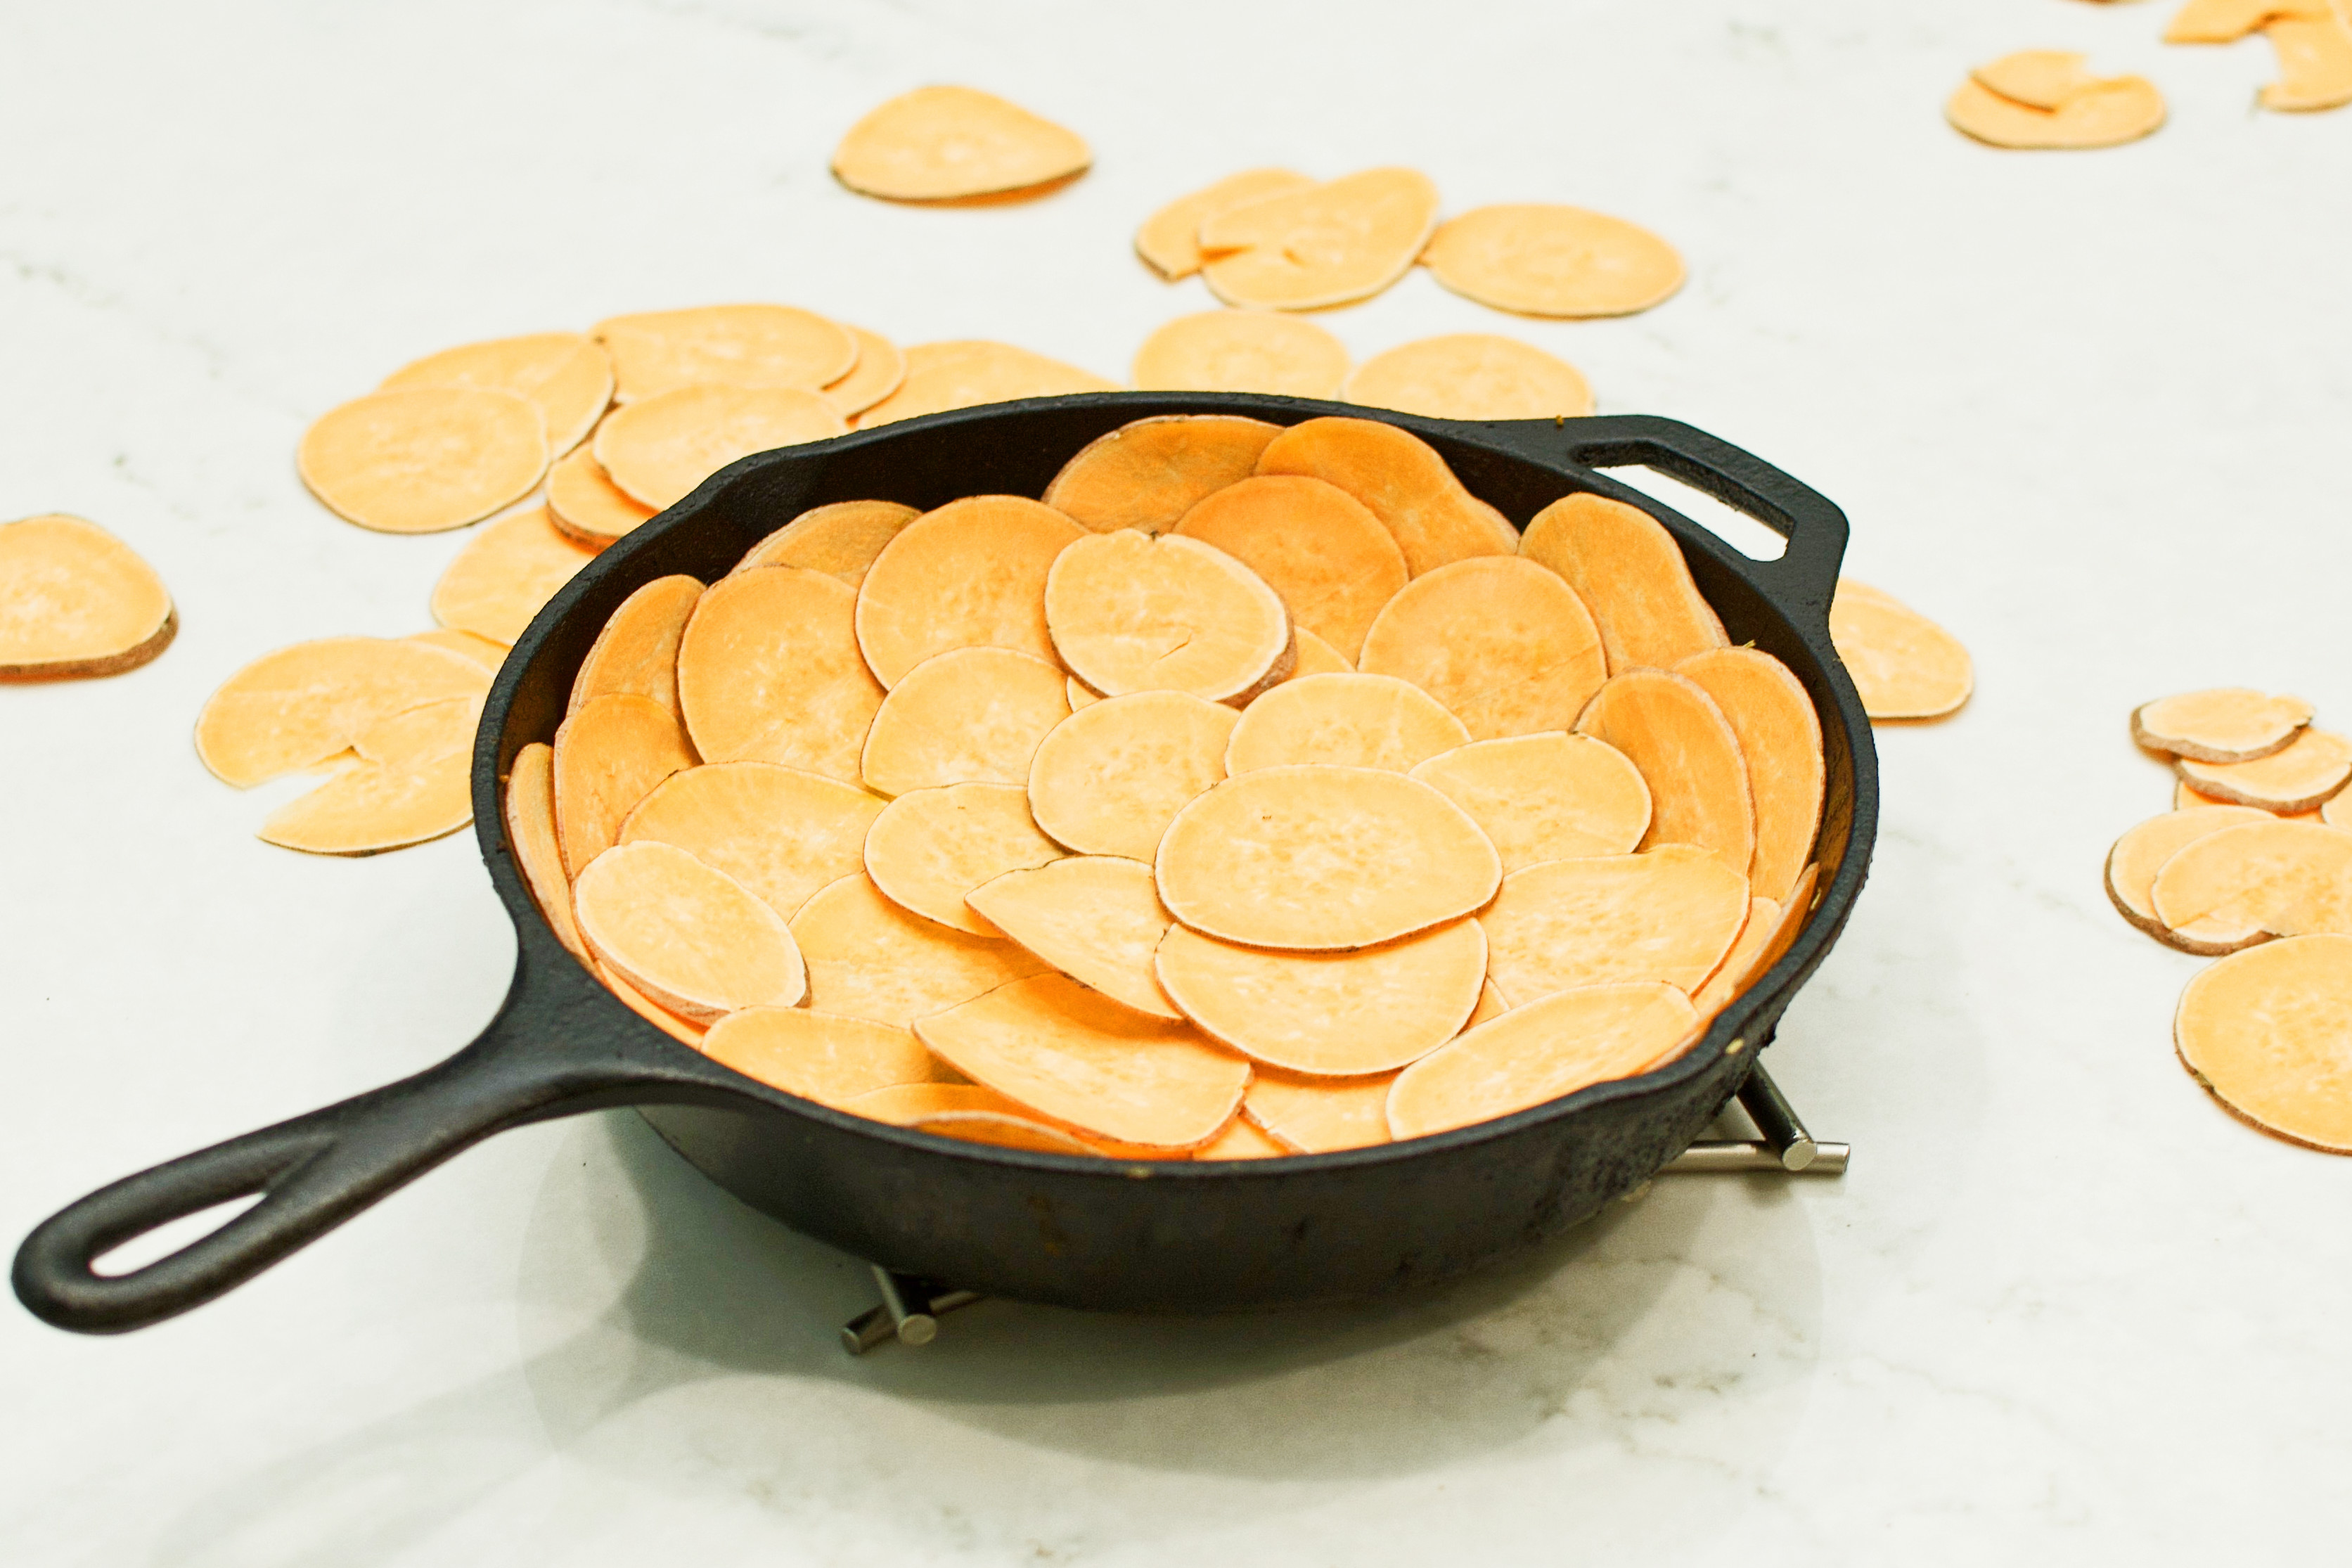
(967, 373)
(971, 715)
(1731, 974)
(1319, 1115)
(1095, 918)
(1242, 1140)
(768, 670)
(585, 504)
(1132, 612)
(1545, 797)
(2269, 1034)
(1109, 779)
(1403, 482)
(1472, 375)
(531, 833)
(782, 832)
(684, 1030)
(951, 143)
(1490, 1004)
(505, 573)
(565, 374)
(868, 958)
(1669, 914)
(2225, 724)
(881, 367)
(1316, 657)
(1241, 351)
(1148, 473)
(692, 938)
(1169, 240)
(1503, 644)
(2285, 878)
(1689, 755)
(823, 1056)
(301, 705)
(1079, 694)
(1318, 546)
(840, 540)
(656, 351)
(409, 785)
(75, 602)
(423, 458)
(657, 449)
(1540, 259)
(970, 575)
(636, 652)
(1779, 739)
(1540, 1052)
(1903, 665)
(609, 757)
(1347, 720)
(2298, 777)
(1630, 575)
(968, 1112)
(1301, 250)
(928, 848)
(2140, 853)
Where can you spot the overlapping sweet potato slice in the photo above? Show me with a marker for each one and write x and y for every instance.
(823, 1056)
(690, 937)
(1490, 1005)
(659, 448)
(565, 374)
(970, 575)
(1316, 657)
(1130, 613)
(609, 755)
(76, 602)
(1347, 720)
(1779, 739)
(683, 1030)
(1110, 779)
(1472, 375)
(782, 833)
(1329, 243)
(929, 847)
(409, 785)
(636, 653)
(2283, 879)
(2315, 62)
(2038, 79)
(1403, 482)
(868, 958)
(1540, 1052)
(968, 1112)
(841, 539)
(655, 352)
(1630, 575)
(1689, 756)
(953, 143)
(1903, 665)
(966, 372)
(1332, 561)
(1540, 259)
(971, 715)
(1501, 642)
(768, 670)
(2139, 854)
(1241, 350)
(2108, 114)
(1095, 918)
(1079, 693)
(2298, 777)
(880, 370)
(425, 458)
(531, 836)
(1319, 1115)
(1169, 240)
(1669, 914)
(1242, 1140)
(2226, 21)
(1731, 974)
(2225, 724)
(505, 574)
(1148, 473)
(585, 506)
(301, 705)
(1545, 797)
(2270, 1033)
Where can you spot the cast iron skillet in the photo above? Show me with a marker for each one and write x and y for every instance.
(1160, 1236)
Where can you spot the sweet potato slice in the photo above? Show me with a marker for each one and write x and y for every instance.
(1316, 545)
(2226, 21)
(1109, 779)
(1490, 1005)
(1095, 918)
(1795, 911)
(1241, 351)
(1084, 1062)
(1689, 755)
(1903, 665)
(2297, 778)
(868, 958)
(656, 351)
(423, 459)
(1347, 720)
(1301, 250)
(1242, 1140)
(609, 755)
(970, 715)
(409, 785)
(565, 374)
(1472, 375)
(1403, 482)
(1315, 656)
(690, 937)
(638, 650)
(951, 143)
(1319, 1115)
(2140, 853)
(928, 848)
(768, 670)
(1169, 240)
(2108, 114)
(2269, 1033)
(2315, 62)
(505, 575)
(531, 836)
(1078, 693)
(659, 448)
(1540, 259)
(1330, 1015)
(2038, 79)
(1779, 739)
(970, 575)
(683, 1030)
(2286, 878)
(1147, 474)
(75, 601)
(1538, 1052)
(781, 832)
(880, 369)
(1630, 575)
(585, 504)
(490, 655)
(1503, 643)
(823, 1056)
(2226, 724)
(967, 373)
(1130, 613)
(1316, 858)
(968, 1112)
(840, 540)
(1669, 913)
(1545, 797)
(1730, 976)
(303, 704)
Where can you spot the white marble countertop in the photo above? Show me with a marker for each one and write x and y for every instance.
(2091, 411)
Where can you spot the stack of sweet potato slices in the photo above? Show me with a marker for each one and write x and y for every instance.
(1258, 792)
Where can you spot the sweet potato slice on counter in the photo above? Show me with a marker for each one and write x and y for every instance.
(689, 936)
(1669, 913)
(2315, 62)
(1110, 779)
(684, 1030)
(1095, 918)
(1630, 575)
(2185, 795)
(970, 715)
(636, 653)
(967, 373)
(531, 833)
(565, 374)
(2298, 777)
(2038, 79)
(928, 848)
(1730, 976)
(1540, 258)
(970, 575)
(2269, 1033)
(1169, 240)
(464, 645)
(781, 832)
(1779, 739)
(880, 370)
(1132, 612)
(1472, 375)
(967, 1112)
(2288, 878)
(1545, 797)
(1316, 545)
(1503, 643)
(1331, 1015)
(2226, 21)
(585, 504)
(768, 670)
(1689, 755)
(868, 958)
(1087, 1063)
(409, 785)
(2114, 111)
(823, 1056)
(1316, 858)
(1319, 1115)
(75, 601)
(1242, 1140)
(1315, 656)
(423, 459)
(2227, 724)
(304, 704)
(1540, 1052)
(1241, 351)
(952, 143)
(840, 540)
(656, 351)
(1403, 482)
(1329, 243)
(1146, 475)
(1347, 720)
(657, 449)
(609, 755)
(1903, 665)
(505, 574)
(2140, 853)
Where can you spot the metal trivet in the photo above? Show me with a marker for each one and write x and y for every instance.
(912, 1306)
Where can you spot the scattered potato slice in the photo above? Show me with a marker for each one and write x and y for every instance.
(1129, 612)
(2139, 854)
(823, 1056)
(425, 460)
(968, 1112)
(1779, 739)
(928, 848)
(768, 670)
(1347, 720)
(1549, 796)
(1242, 1140)
(1670, 913)
(1731, 975)
(1544, 259)
(690, 937)
(303, 704)
(1331, 561)
(505, 574)
(2314, 60)
(1630, 575)
(2287, 878)
(586, 506)
(1095, 918)
(2270, 1033)
(683, 1030)
(1333, 1015)
(881, 366)
(1540, 1052)
(970, 715)
(531, 837)
(1472, 375)
(2038, 79)
(2296, 778)
(490, 655)
(2226, 724)
(609, 755)
(781, 832)
(1903, 665)
(565, 375)
(1148, 473)
(868, 958)
(952, 143)
(2226, 21)
(409, 785)
(1169, 240)
(1319, 1115)
(638, 650)
(659, 448)
(1241, 350)
(1328, 245)
(971, 574)
(840, 540)
(2116, 111)
(1689, 755)
(1110, 779)
(1085, 1062)
(656, 351)
(967, 373)
(1316, 858)
(1502, 642)
(75, 601)
(1403, 481)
